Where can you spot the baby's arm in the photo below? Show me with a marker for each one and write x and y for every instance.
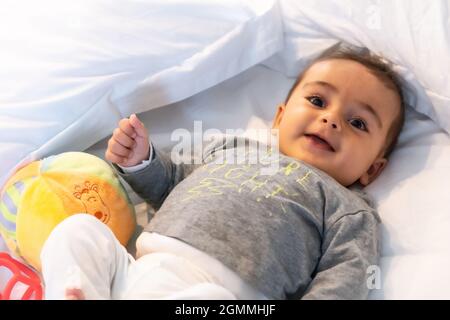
(130, 146)
(349, 248)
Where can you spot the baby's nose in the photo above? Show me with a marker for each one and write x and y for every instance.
(332, 122)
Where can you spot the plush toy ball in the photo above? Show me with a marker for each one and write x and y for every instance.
(43, 193)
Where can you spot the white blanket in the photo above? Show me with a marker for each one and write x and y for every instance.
(70, 70)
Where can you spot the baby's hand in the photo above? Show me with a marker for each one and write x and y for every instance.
(129, 144)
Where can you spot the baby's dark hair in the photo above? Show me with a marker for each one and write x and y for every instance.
(380, 68)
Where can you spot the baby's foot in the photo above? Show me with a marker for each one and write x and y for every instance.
(73, 285)
(74, 294)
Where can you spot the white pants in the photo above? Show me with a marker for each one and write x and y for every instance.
(82, 252)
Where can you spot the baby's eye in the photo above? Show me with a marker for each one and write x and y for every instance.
(317, 101)
(359, 124)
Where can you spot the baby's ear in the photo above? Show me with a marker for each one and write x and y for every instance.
(278, 116)
(373, 172)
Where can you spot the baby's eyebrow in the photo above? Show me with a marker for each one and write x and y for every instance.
(323, 84)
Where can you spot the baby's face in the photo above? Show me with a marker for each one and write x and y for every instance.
(337, 120)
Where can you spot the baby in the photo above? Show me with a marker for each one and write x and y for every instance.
(224, 230)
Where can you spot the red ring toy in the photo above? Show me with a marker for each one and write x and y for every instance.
(21, 274)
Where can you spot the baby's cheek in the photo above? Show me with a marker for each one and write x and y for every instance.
(348, 167)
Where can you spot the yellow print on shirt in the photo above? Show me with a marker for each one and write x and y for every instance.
(291, 167)
(279, 190)
(304, 180)
(210, 187)
(236, 173)
(253, 183)
(262, 186)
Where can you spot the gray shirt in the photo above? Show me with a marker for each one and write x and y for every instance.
(297, 233)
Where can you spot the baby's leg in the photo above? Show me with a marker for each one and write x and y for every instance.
(161, 275)
(83, 259)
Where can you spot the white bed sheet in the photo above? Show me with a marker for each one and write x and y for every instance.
(70, 72)
(410, 194)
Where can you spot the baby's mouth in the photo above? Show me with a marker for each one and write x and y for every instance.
(319, 142)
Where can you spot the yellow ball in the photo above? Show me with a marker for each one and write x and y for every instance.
(40, 195)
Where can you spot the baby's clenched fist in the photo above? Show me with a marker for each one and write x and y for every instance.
(129, 144)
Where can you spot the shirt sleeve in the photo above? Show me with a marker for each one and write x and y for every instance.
(139, 166)
(350, 250)
(155, 178)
